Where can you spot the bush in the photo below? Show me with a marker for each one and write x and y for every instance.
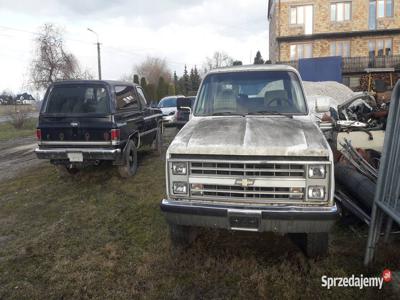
(18, 118)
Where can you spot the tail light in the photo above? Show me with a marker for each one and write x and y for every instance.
(115, 135)
(39, 134)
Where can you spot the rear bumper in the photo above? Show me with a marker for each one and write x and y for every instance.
(279, 219)
(87, 153)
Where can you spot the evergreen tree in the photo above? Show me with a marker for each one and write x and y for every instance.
(186, 81)
(196, 81)
(237, 63)
(258, 60)
(152, 93)
(162, 88)
(171, 89)
(143, 83)
(136, 79)
(176, 84)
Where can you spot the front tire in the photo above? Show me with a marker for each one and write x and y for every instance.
(181, 236)
(313, 244)
(158, 142)
(130, 161)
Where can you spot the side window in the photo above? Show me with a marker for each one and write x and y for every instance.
(142, 98)
(126, 97)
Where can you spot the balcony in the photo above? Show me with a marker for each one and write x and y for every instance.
(359, 64)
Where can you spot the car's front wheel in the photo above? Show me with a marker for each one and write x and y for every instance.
(130, 165)
(181, 236)
(313, 244)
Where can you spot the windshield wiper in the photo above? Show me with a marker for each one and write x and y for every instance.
(226, 113)
(269, 112)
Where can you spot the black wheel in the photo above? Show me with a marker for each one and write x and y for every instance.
(130, 161)
(66, 171)
(313, 244)
(158, 141)
(181, 236)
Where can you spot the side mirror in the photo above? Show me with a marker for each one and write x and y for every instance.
(322, 105)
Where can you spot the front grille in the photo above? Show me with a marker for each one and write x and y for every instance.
(248, 169)
(248, 194)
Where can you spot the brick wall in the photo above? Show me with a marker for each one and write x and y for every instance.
(323, 24)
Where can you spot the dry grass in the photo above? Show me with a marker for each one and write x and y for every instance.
(98, 236)
(5, 110)
(8, 131)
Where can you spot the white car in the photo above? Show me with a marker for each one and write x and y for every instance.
(167, 105)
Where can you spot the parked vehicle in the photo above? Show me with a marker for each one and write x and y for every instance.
(184, 108)
(88, 122)
(168, 107)
(252, 159)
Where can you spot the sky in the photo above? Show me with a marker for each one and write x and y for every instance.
(181, 31)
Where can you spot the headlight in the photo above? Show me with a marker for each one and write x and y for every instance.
(179, 188)
(179, 168)
(316, 171)
(316, 192)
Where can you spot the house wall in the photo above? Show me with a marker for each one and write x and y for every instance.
(323, 24)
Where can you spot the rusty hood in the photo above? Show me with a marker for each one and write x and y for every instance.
(251, 135)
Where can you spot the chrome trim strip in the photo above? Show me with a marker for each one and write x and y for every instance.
(80, 143)
(82, 150)
(258, 182)
(153, 116)
(147, 132)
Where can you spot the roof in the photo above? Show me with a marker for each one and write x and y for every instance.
(109, 82)
(249, 68)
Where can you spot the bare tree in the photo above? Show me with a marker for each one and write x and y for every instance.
(218, 60)
(52, 61)
(152, 69)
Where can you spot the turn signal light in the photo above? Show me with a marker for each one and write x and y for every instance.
(115, 134)
(39, 134)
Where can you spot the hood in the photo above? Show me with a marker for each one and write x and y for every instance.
(167, 110)
(251, 135)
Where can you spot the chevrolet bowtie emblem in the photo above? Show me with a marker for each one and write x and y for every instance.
(244, 182)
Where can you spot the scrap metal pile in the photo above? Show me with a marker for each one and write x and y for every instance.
(355, 129)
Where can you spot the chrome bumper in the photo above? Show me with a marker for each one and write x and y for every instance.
(88, 153)
(281, 219)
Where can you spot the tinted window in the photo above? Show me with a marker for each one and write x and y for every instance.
(251, 92)
(126, 97)
(167, 102)
(78, 99)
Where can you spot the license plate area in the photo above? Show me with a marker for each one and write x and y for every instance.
(75, 157)
(245, 221)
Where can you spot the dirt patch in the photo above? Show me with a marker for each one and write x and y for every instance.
(16, 156)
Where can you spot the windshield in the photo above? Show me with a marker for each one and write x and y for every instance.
(263, 92)
(78, 99)
(167, 102)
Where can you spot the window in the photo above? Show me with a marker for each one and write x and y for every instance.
(302, 15)
(126, 97)
(340, 11)
(250, 93)
(340, 48)
(380, 47)
(299, 51)
(78, 99)
(381, 8)
(142, 98)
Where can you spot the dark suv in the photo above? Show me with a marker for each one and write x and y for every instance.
(87, 122)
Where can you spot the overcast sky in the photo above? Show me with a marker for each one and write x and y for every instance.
(181, 31)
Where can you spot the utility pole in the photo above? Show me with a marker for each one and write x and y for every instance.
(98, 53)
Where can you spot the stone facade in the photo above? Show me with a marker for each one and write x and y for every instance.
(322, 24)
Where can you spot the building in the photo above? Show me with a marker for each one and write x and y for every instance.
(365, 33)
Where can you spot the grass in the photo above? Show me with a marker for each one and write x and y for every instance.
(98, 236)
(8, 132)
(5, 110)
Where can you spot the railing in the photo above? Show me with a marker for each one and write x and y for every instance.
(359, 64)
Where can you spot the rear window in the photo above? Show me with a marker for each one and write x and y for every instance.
(78, 99)
(167, 102)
